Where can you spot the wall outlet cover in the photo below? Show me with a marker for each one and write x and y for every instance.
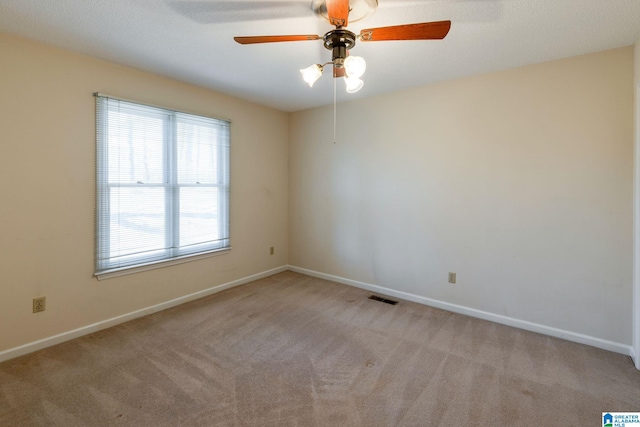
(39, 304)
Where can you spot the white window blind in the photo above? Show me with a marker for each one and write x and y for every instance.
(162, 184)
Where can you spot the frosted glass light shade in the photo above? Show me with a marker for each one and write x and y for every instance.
(311, 74)
(354, 84)
(355, 66)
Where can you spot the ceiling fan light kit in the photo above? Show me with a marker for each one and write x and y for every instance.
(311, 74)
(341, 40)
(354, 84)
(355, 66)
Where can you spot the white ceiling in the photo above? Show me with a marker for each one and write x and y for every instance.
(192, 40)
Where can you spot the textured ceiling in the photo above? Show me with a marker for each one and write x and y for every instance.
(192, 40)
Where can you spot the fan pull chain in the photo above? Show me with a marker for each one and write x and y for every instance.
(334, 110)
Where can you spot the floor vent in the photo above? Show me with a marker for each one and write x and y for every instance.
(384, 300)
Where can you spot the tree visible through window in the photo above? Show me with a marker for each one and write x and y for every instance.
(162, 184)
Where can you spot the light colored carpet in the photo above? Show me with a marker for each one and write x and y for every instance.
(291, 350)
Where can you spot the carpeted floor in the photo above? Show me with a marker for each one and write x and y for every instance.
(291, 350)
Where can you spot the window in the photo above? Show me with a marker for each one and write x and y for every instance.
(162, 185)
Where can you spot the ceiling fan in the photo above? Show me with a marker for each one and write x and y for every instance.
(339, 13)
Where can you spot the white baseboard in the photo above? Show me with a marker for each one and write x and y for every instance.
(85, 330)
(522, 324)
(635, 357)
(504, 320)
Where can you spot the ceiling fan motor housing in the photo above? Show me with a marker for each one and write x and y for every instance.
(358, 9)
(339, 41)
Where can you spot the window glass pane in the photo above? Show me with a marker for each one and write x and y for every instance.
(137, 224)
(135, 146)
(199, 219)
(197, 152)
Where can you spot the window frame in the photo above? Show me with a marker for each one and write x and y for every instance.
(172, 253)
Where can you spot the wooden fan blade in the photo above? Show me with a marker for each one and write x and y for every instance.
(275, 39)
(424, 31)
(338, 11)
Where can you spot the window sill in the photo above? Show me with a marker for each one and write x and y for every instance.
(117, 272)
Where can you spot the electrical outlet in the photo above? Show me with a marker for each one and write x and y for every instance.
(452, 277)
(39, 304)
(272, 250)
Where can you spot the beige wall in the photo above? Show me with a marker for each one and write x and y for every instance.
(47, 181)
(520, 181)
